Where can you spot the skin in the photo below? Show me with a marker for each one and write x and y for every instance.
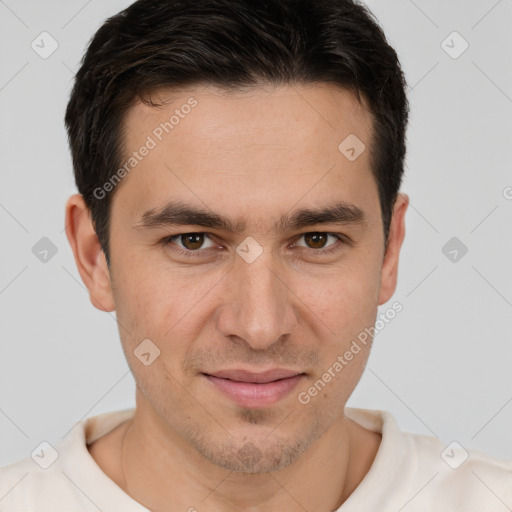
(255, 156)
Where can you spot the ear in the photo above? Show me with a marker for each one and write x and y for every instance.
(89, 257)
(389, 271)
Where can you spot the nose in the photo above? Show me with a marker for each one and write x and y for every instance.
(258, 303)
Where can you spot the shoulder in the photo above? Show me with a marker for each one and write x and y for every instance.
(25, 483)
(65, 477)
(468, 479)
(415, 472)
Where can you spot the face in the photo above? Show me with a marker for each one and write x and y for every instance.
(264, 293)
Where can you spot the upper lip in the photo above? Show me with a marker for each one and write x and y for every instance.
(260, 378)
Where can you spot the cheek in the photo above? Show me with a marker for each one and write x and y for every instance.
(344, 298)
(165, 304)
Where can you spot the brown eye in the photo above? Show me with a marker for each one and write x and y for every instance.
(316, 240)
(188, 243)
(192, 241)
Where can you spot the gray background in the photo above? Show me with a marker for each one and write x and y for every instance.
(442, 366)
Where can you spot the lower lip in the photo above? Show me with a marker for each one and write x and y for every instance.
(250, 394)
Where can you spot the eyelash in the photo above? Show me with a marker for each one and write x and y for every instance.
(332, 249)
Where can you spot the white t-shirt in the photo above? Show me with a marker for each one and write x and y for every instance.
(411, 472)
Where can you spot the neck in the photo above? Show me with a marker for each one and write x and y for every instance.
(159, 468)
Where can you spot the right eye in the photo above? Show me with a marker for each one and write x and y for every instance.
(190, 243)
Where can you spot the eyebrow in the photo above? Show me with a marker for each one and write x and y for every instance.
(176, 213)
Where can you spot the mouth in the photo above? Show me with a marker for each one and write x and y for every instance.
(251, 389)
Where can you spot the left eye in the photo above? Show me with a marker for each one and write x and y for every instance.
(317, 239)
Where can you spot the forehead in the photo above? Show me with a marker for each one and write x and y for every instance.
(263, 147)
(308, 111)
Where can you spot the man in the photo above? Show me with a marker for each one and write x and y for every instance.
(239, 165)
